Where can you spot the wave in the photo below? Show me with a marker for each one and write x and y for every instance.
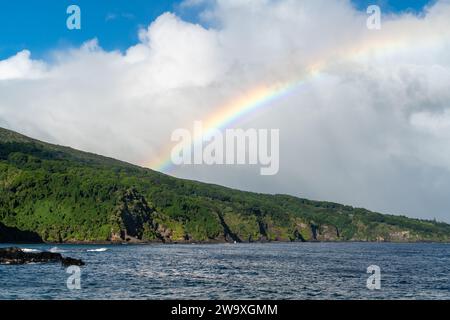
(98, 250)
(56, 250)
(30, 250)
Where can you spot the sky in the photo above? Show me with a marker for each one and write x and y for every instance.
(39, 25)
(369, 127)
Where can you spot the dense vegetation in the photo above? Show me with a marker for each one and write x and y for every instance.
(59, 194)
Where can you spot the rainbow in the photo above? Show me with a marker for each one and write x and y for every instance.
(261, 96)
(230, 113)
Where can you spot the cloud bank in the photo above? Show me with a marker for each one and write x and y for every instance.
(370, 128)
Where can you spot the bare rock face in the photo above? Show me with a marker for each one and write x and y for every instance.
(325, 233)
(134, 216)
(18, 256)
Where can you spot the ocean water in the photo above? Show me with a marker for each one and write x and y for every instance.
(236, 271)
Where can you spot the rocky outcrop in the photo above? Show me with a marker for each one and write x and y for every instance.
(228, 235)
(18, 256)
(324, 232)
(298, 236)
(262, 225)
(396, 236)
(133, 219)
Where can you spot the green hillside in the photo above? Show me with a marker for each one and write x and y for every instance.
(59, 194)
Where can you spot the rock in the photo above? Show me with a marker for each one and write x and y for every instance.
(71, 262)
(14, 235)
(18, 256)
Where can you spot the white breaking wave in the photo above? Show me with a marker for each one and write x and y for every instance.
(30, 250)
(98, 250)
(56, 249)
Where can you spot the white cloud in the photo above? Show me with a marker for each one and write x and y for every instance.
(174, 54)
(21, 66)
(370, 129)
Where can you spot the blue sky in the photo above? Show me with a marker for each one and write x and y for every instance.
(415, 6)
(39, 25)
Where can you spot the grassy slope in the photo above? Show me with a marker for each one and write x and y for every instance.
(62, 194)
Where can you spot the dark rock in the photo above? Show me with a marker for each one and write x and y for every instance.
(229, 236)
(18, 256)
(298, 236)
(71, 262)
(134, 216)
(14, 235)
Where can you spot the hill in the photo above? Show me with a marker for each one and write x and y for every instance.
(58, 194)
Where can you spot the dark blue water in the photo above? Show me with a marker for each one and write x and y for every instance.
(242, 271)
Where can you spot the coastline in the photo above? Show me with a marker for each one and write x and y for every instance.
(115, 243)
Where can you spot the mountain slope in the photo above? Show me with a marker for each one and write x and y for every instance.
(59, 194)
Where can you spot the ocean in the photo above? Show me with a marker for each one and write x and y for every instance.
(235, 271)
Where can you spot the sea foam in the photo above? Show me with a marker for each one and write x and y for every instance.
(98, 250)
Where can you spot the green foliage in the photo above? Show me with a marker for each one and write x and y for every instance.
(63, 194)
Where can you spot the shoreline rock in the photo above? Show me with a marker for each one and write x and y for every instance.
(16, 256)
